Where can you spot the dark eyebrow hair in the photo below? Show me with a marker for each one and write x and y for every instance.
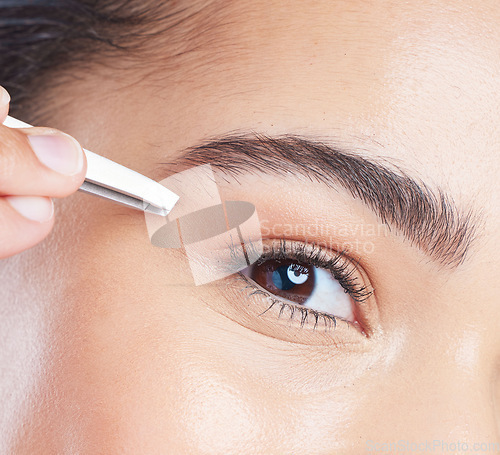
(428, 219)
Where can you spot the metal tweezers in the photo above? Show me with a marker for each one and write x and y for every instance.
(115, 182)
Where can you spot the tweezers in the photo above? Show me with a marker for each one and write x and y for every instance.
(115, 182)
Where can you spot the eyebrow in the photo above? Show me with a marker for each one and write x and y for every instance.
(428, 219)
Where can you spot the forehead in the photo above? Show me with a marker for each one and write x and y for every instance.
(420, 79)
(417, 83)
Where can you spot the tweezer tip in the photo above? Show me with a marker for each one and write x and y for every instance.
(168, 200)
(156, 210)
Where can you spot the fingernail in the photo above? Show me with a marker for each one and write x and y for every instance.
(34, 208)
(4, 98)
(59, 152)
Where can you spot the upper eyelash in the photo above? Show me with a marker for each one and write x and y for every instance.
(316, 256)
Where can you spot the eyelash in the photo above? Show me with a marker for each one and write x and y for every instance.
(314, 255)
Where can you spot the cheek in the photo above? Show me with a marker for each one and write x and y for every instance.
(122, 367)
(135, 360)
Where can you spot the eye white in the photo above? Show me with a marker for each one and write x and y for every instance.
(329, 296)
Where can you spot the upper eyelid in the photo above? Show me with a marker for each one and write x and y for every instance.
(339, 262)
(429, 219)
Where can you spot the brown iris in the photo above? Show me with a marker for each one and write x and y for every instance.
(289, 279)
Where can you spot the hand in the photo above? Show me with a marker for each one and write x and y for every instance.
(36, 164)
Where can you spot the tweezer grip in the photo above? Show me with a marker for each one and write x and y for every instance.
(100, 170)
(103, 173)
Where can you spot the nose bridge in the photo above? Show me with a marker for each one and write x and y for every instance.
(455, 401)
(467, 411)
(467, 381)
(441, 397)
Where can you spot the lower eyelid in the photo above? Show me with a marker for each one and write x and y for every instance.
(232, 299)
(306, 315)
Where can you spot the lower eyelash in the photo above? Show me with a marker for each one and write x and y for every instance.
(305, 313)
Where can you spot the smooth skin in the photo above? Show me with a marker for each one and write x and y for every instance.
(107, 347)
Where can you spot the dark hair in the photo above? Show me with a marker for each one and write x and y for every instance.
(40, 38)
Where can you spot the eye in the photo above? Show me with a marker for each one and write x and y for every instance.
(294, 289)
(303, 284)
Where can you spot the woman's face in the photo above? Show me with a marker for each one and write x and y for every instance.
(108, 346)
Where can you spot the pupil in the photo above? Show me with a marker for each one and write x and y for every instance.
(281, 280)
(286, 277)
